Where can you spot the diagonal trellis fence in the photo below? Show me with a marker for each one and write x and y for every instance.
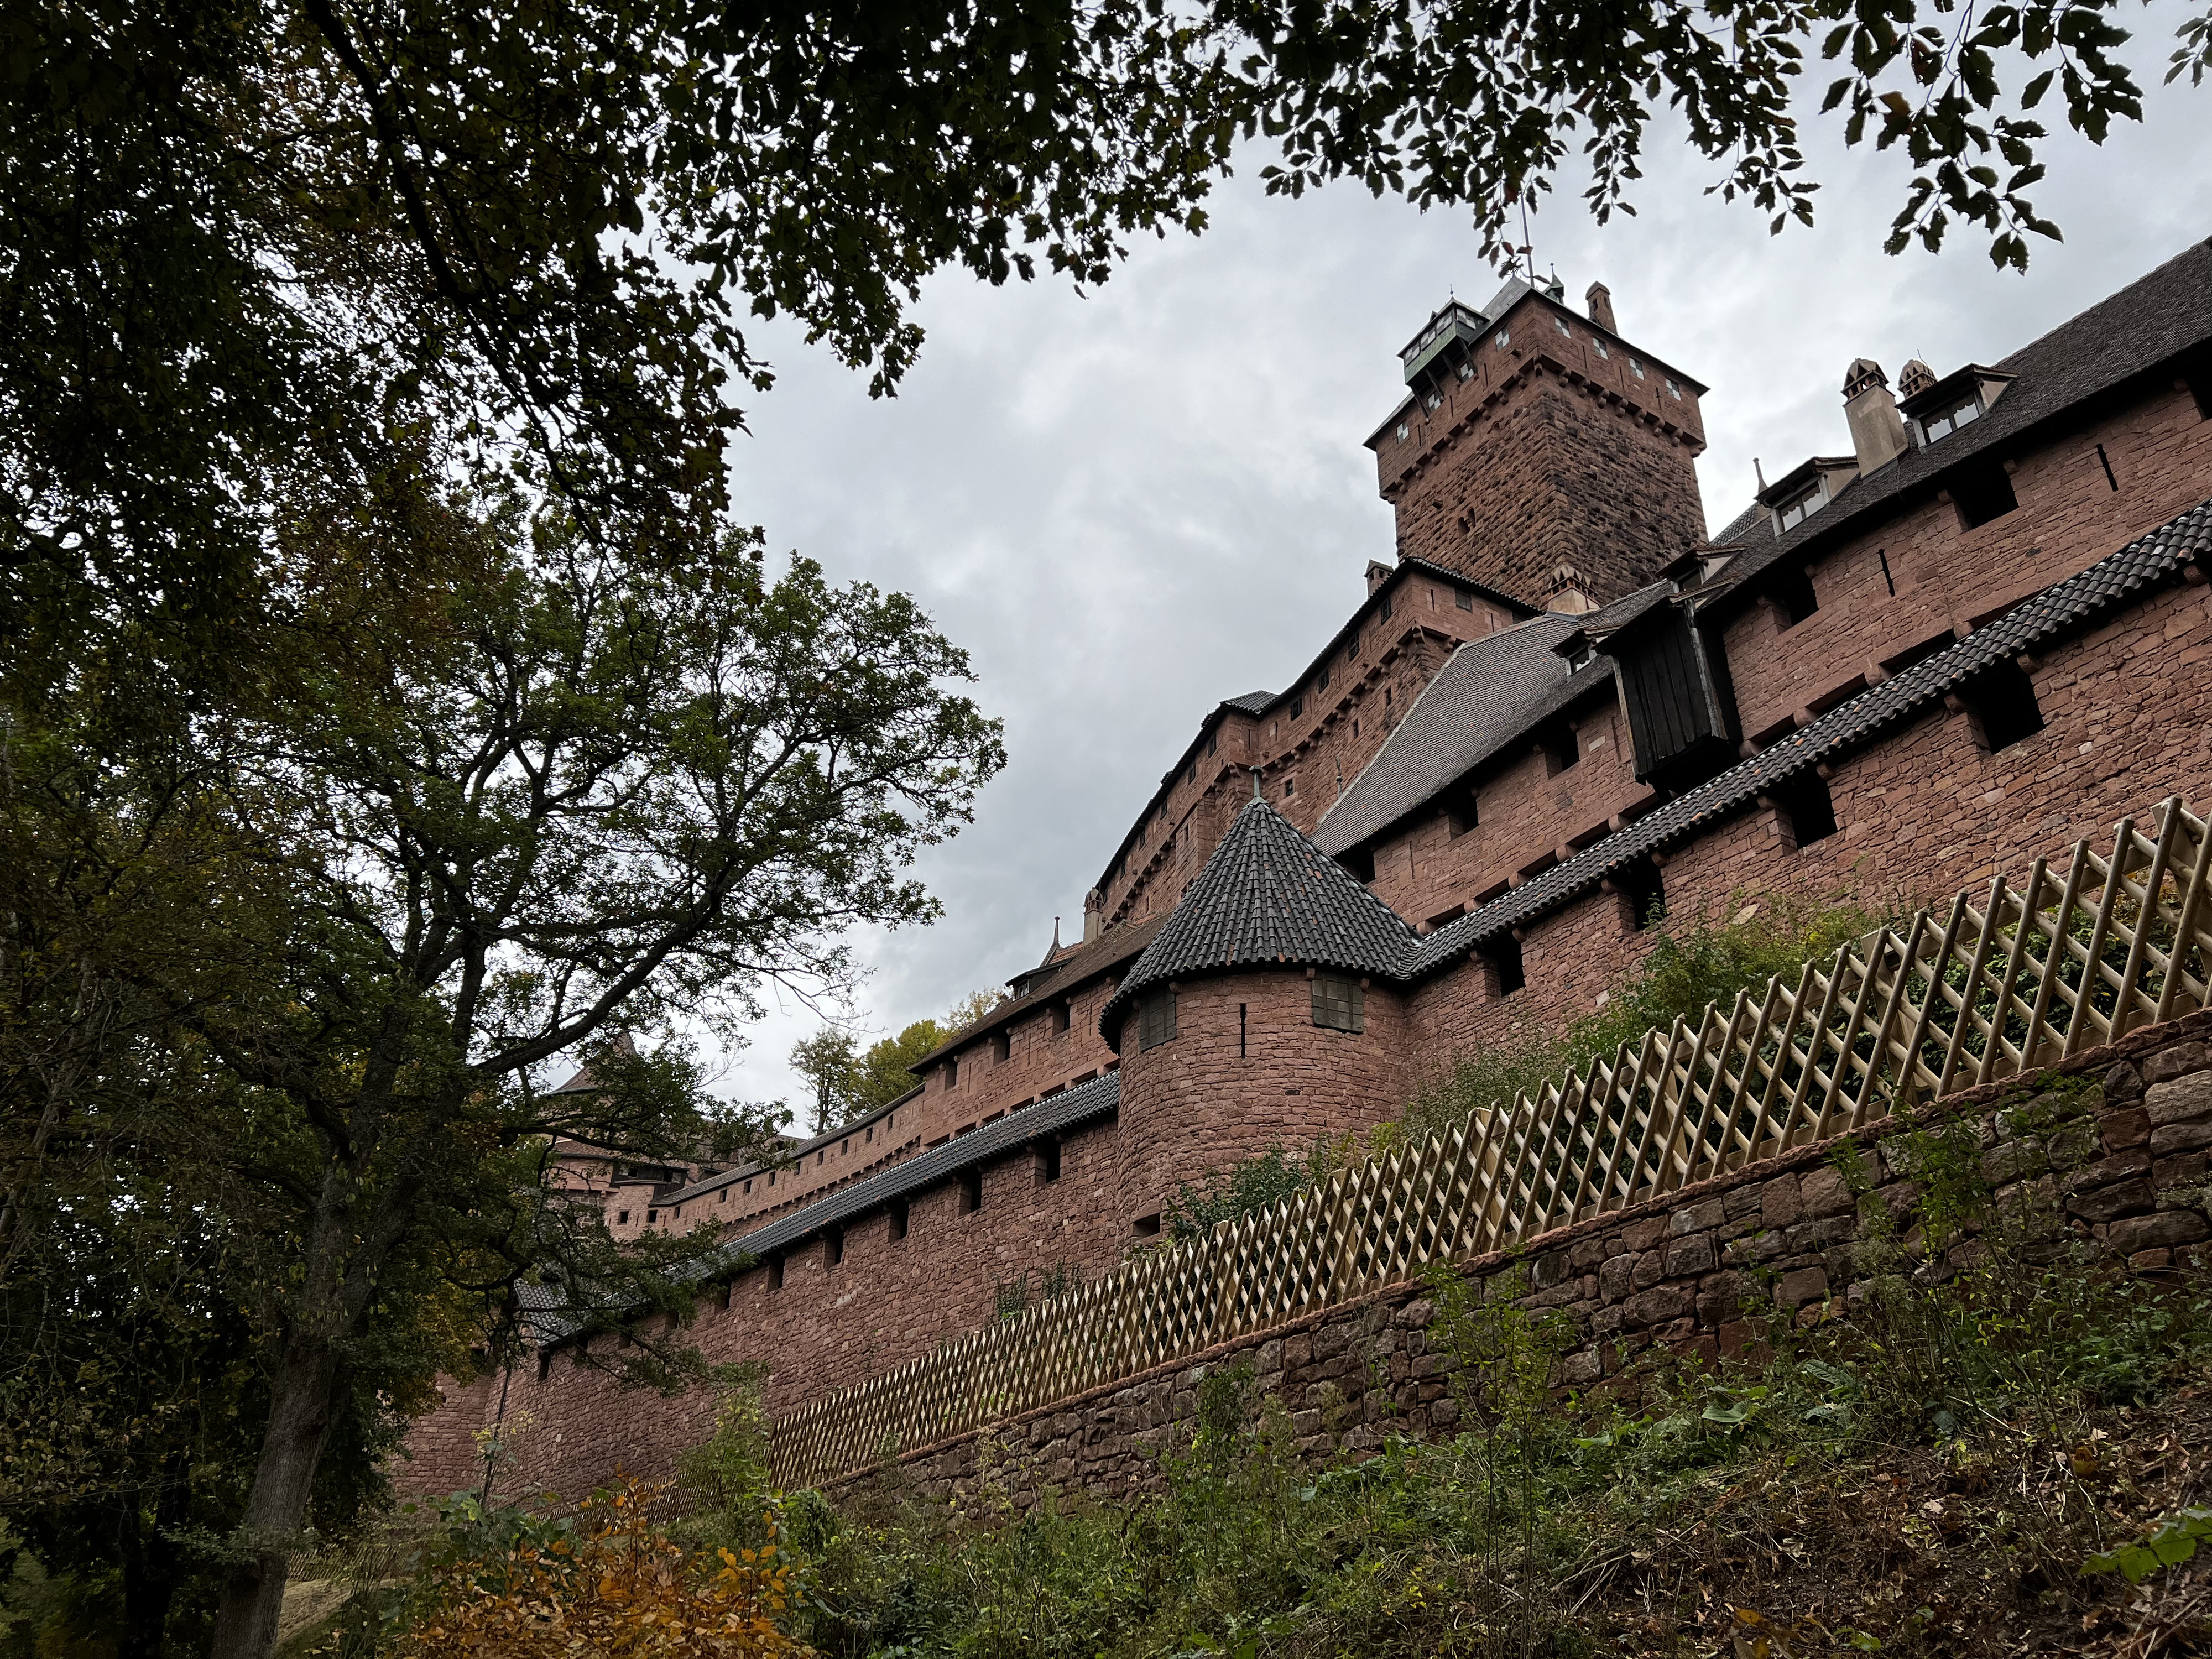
(2009, 978)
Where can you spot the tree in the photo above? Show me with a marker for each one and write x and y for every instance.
(518, 797)
(887, 1068)
(254, 241)
(829, 1062)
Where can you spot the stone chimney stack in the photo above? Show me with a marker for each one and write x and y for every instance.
(1568, 593)
(1878, 435)
(1600, 302)
(1094, 904)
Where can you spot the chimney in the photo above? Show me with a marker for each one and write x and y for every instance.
(1877, 429)
(1094, 903)
(1568, 594)
(1600, 302)
(1378, 573)
(1915, 377)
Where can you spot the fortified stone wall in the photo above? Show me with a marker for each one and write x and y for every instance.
(1945, 576)
(2110, 1149)
(1920, 814)
(842, 1307)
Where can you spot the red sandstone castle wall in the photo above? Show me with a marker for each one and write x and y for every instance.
(1529, 816)
(1920, 814)
(1229, 1087)
(887, 1301)
(2068, 517)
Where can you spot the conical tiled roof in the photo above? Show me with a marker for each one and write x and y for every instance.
(1268, 896)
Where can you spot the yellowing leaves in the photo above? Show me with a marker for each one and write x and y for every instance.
(620, 1586)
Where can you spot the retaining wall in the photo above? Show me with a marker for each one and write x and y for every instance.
(2113, 1146)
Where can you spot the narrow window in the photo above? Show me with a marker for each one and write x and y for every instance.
(1339, 1003)
(1640, 888)
(775, 1272)
(900, 1213)
(971, 1192)
(1598, 345)
(845, 1145)
(749, 1187)
(622, 1218)
(2002, 700)
(1156, 1018)
(545, 1361)
(2106, 461)
(1384, 613)
(952, 1073)
(1504, 954)
(1351, 650)
(722, 1197)
(869, 1136)
(1794, 598)
(1560, 748)
(1560, 323)
(1807, 809)
(1211, 739)
(1321, 683)
(1289, 787)
(1297, 705)
(1059, 1018)
(652, 1216)
(1636, 368)
(1190, 772)
(1887, 580)
(1002, 1046)
(1462, 811)
(1502, 338)
(680, 1212)
(833, 1246)
(1048, 1163)
(1242, 1009)
(1464, 597)
(1982, 496)
(1673, 390)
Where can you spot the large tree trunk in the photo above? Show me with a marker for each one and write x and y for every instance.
(301, 1405)
(149, 1560)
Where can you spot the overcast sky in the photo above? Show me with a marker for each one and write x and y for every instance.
(1131, 503)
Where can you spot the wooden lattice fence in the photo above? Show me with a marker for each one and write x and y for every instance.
(2015, 977)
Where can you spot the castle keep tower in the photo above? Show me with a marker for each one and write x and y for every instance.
(1541, 453)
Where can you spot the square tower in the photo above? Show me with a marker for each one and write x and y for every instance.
(1540, 453)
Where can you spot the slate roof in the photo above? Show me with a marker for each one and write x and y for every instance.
(2065, 608)
(1489, 693)
(550, 1318)
(1267, 894)
(2164, 315)
(1252, 702)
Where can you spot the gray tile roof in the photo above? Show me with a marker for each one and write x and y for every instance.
(2066, 608)
(551, 1318)
(1267, 894)
(1489, 693)
(2164, 315)
(1252, 702)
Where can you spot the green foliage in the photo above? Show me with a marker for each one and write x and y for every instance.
(1693, 961)
(2172, 1542)
(1242, 1188)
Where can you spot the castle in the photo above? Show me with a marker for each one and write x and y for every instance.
(1980, 633)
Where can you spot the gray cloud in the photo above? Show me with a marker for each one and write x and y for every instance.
(1130, 503)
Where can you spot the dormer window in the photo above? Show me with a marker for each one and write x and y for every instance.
(1943, 421)
(1790, 514)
